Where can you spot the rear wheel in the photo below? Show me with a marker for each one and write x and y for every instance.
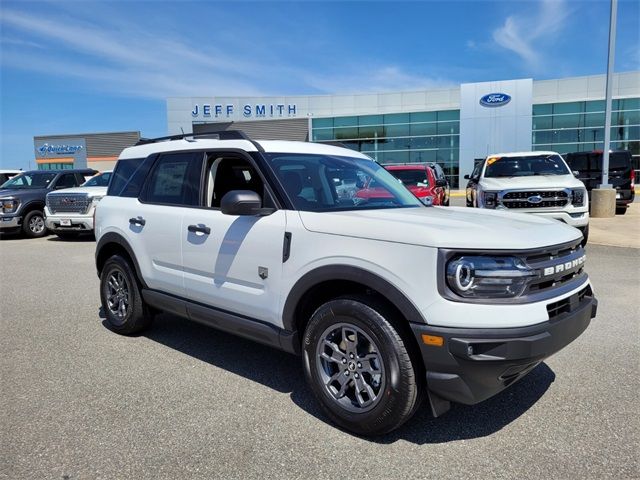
(121, 297)
(33, 224)
(621, 210)
(359, 367)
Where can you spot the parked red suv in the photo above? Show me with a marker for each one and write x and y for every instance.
(423, 180)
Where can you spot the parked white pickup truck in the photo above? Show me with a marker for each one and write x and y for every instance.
(530, 182)
(69, 212)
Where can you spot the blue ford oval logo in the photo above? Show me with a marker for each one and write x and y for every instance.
(495, 100)
(534, 199)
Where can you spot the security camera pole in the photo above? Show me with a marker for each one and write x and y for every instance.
(603, 201)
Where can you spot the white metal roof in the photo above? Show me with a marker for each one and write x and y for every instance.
(270, 146)
(523, 154)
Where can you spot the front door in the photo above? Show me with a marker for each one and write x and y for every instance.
(230, 262)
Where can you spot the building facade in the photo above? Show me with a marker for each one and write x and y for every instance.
(91, 150)
(451, 126)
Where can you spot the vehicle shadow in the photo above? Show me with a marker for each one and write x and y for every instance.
(283, 373)
(82, 238)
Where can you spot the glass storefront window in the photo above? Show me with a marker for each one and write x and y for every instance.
(322, 122)
(568, 107)
(345, 121)
(325, 134)
(567, 121)
(595, 106)
(629, 117)
(627, 104)
(448, 128)
(345, 133)
(371, 131)
(423, 117)
(396, 130)
(396, 118)
(594, 119)
(447, 115)
(424, 128)
(542, 122)
(370, 120)
(543, 109)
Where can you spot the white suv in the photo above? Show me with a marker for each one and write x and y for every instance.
(69, 212)
(386, 300)
(530, 182)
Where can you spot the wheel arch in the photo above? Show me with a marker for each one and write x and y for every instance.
(31, 206)
(112, 243)
(331, 281)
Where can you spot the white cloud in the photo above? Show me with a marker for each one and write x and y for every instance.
(119, 57)
(527, 34)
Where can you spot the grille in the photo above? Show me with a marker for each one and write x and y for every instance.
(552, 257)
(68, 203)
(547, 198)
(568, 304)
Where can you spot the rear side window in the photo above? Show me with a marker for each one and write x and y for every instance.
(175, 180)
(67, 180)
(122, 175)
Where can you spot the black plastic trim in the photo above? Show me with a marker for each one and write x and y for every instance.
(476, 363)
(349, 273)
(286, 247)
(112, 237)
(240, 325)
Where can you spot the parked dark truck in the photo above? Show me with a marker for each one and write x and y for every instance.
(621, 174)
(22, 198)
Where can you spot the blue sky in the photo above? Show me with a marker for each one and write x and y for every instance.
(81, 66)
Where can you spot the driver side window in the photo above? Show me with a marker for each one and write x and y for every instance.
(226, 173)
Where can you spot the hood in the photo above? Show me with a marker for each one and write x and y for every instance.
(538, 182)
(21, 192)
(90, 191)
(445, 227)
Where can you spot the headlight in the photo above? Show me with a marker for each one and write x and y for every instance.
(9, 206)
(488, 277)
(578, 197)
(95, 200)
(489, 199)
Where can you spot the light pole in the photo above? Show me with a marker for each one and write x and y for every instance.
(603, 201)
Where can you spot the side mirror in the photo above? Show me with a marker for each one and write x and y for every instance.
(441, 183)
(576, 173)
(241, 202)
(467, 177)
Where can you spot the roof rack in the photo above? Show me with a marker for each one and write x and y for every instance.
(219, 134)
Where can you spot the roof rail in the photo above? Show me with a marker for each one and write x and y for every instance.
(220, 134)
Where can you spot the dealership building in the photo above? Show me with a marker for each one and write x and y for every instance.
(99, 151)
(451, 126)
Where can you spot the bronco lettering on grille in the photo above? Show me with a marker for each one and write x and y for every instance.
(563, 267)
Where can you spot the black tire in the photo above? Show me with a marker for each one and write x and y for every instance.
(585, 235)
(399, 386)
(33, 224)
(136, 316)
(67, 235)
(621, 210)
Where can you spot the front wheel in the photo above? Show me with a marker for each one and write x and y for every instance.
(585, 235)
(621, 210)
(121, 297)
(33, 224)
(359, 367)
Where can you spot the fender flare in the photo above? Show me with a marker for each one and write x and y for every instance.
(348, 273)
(113, 237)
(38, 204)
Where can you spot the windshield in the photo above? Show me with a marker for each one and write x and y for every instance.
(100, 180)
(30, 180)
(411, 178)
(525, 166)
(310, 182)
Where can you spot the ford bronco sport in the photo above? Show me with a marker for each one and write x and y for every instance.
(387, 301)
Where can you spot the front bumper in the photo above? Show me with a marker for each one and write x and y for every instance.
(10, 223)
(575, 218)
(475, 364)
(77, 222)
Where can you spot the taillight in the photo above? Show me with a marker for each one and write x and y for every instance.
(633, 180)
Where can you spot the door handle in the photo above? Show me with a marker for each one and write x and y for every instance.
(199, 229)
(137, 221)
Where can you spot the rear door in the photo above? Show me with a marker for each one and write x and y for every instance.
(155, 221)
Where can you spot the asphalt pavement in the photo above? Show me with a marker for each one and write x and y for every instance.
(78, 401)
